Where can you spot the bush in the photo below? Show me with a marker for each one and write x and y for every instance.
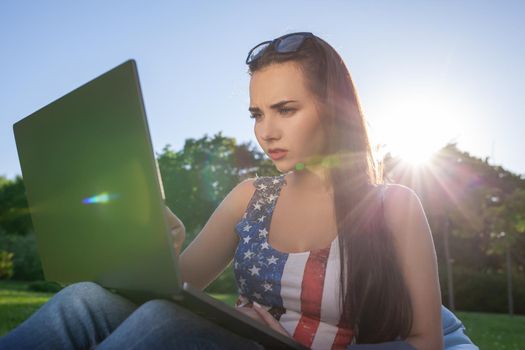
(26, 261)
(483, 291)
(44, 286)
(6, 264)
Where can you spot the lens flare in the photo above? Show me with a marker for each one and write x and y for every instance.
(299, 166)
(104, 197)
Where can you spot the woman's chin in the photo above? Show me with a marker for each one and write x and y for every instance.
(286, 167)
(283, 167)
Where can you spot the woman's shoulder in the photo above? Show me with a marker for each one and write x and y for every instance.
(262, 182)
(247, 187)
(245, 190)
(401, 204)
(394, 194)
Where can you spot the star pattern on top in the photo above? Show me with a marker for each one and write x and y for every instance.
(263, 232)
(254, 270)
(248, 254)
(257, 266)
(272, 260)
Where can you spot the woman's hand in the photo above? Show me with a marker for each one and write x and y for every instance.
(178, 231)
(258, 313)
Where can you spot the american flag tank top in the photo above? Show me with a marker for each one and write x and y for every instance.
(301, 290)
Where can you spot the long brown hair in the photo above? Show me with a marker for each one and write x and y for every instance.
(375, 299)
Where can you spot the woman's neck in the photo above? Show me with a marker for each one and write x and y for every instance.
(313, 179)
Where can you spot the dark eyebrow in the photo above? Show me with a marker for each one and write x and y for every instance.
(274, 106)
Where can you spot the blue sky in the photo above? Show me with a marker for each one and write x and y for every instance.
(424, 70)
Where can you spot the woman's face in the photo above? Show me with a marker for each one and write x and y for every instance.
(287, 120)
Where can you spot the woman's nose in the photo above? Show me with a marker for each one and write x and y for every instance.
(270, 130)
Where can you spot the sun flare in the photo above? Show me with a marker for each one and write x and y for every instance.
(415, 126)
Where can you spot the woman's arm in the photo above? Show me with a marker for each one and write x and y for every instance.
(213, 248)
(406, 219)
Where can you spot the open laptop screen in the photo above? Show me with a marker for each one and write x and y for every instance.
(93, 188)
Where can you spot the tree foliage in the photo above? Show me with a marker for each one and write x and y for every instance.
(199, 176)
(482, 206)
(14, 213)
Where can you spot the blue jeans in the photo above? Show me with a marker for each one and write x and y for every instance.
(86, 316)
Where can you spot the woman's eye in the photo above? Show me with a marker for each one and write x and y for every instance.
(285, 110)
(254, 116)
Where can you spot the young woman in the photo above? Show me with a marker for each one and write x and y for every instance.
(323, 253)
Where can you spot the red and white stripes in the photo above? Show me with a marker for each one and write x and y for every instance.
(310, 293)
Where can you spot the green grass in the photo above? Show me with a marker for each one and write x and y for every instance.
(494, 331)
(488, 331)
(226, 298)
(17, 304)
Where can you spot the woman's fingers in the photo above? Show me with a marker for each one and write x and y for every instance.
(260, 314)
(269, 319)
(178, 231)
(250, 312)
(173, 220)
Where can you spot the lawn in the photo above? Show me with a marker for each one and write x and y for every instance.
(488, 331)
(17, 303)
(494, 331)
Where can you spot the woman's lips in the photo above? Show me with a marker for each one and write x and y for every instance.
(278, 154)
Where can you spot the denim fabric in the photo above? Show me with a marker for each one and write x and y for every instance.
(86, 316)
(454, 332)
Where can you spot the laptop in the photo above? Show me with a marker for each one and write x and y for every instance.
(96, 200)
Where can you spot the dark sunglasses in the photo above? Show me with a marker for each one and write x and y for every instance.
(283, 44)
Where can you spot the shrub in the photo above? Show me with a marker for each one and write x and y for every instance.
(26, 261)
(484, 291)
(44, 286)
(6, 264)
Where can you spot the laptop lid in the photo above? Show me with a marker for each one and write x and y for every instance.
(95, 196)
(94, 189)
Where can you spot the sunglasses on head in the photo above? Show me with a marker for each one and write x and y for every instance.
(283, 44)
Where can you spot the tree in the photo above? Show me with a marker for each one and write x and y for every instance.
(199, 176)
(468, 203)
(14, 212)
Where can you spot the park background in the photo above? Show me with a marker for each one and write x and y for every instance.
(439, 82)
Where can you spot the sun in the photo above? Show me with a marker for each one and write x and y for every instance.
(414, 126)
(416, 156)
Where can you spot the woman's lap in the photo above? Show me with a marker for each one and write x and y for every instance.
(171, 324)
(85, 315)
